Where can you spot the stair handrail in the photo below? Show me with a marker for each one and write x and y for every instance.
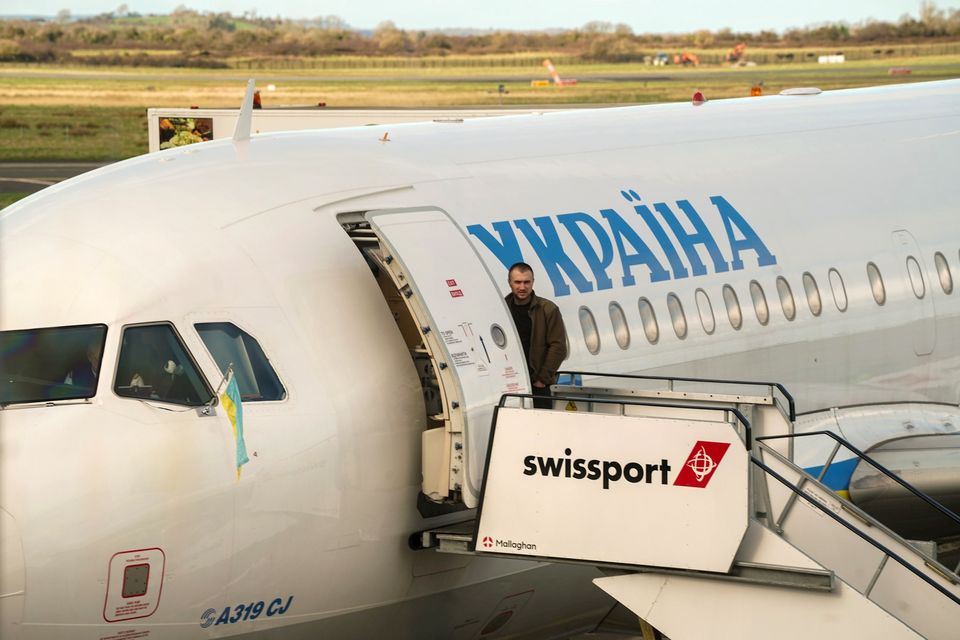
(879, 546)
(742, 419)
(876, 465)
(791, 405)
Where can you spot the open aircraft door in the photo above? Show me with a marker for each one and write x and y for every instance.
(468, 333)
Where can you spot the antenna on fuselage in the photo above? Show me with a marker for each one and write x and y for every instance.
(245, 121)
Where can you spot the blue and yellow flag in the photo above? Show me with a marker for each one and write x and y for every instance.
(231, 404)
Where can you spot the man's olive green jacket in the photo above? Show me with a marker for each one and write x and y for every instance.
(548, 339)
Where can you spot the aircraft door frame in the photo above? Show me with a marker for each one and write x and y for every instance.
(465, 324)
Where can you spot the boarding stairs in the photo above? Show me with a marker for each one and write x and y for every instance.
(684, 493)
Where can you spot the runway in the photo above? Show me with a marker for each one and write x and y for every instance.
(28, 177)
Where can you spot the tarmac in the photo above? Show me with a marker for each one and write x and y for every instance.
(28, 177)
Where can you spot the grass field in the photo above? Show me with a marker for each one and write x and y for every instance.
(34, 133)
(7, 199)
(82, 113)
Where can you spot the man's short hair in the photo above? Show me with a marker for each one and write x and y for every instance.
(523, 267)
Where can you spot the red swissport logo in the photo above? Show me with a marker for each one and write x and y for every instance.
(487, 542)
(701, 463)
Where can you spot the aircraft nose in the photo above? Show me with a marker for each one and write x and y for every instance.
(12, 583)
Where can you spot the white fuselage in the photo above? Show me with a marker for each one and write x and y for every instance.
(248, 233)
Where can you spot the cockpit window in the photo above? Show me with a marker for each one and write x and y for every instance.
(231, 345)
(154, 365)
(61, 363)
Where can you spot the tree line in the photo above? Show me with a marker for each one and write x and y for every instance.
(192, 38)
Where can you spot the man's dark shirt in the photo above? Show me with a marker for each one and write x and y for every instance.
(521, 319)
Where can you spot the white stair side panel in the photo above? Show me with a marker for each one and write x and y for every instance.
(854, 560)
(932, 614)
(659, 518)
(832, 545)
(817, 534)
(691, 608)
(763, 546)
(779, 493)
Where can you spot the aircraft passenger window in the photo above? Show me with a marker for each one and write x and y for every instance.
(916, 277)
(621, 331)
(706, 311)
(649, 320)
(154, 365)
(876, 284)
(733, 307)
(943, 270)
(676, 315)
(229, 344)
(41, 365)
(839, 291)
(813, 294)
(591, 337)
(787, 302)
(759, 302)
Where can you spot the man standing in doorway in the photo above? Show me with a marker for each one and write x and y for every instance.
(540, 327)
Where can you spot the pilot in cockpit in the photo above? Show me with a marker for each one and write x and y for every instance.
(83, 373)
(139, 368)
(148, 367)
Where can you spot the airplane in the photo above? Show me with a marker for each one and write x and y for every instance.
(353, 282)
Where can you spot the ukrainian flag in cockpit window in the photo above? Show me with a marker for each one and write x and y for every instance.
(232, 405)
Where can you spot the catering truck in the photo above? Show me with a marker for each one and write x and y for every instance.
(174, 127)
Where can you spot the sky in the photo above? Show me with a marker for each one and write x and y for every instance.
(643, 16)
